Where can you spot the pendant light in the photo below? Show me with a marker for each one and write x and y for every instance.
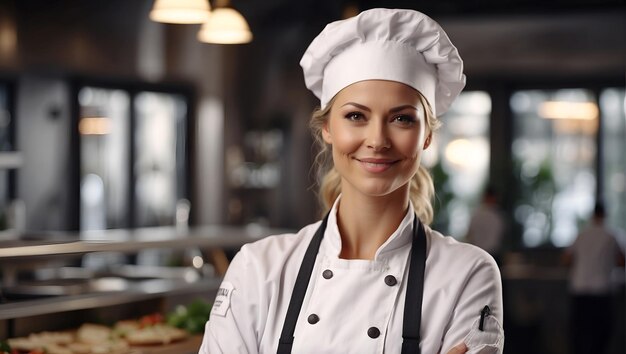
(225, 25)
(180, 11)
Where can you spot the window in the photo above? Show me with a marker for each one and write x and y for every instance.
(133, 157)
(159, 167)
(104, 129)
(612, 105)
(459, 161)
(5, 118)
(8, 161)
(6, 141)
(554, 154)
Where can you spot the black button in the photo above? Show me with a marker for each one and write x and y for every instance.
(390, 280)
(327, 274)
(373, 332)
(313, 319)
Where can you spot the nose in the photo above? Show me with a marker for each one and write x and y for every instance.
(377, 137)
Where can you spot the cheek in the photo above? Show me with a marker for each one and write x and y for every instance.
(410, 145)
(345, 140)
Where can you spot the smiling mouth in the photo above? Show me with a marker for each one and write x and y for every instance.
(376, 166)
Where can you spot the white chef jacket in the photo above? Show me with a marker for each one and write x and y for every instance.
(595, 254)
(250, 308)
(486, 229)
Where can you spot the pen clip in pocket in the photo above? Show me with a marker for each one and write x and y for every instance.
(486, 311)
(486, 335)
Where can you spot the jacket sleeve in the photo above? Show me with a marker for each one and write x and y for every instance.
(483, 287)
(232, 326)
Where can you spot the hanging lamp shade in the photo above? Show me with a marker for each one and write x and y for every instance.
(180, 11)
(225, 25)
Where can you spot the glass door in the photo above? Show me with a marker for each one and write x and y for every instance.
(104, 128)
(554, 154)
(612, 106)
(133, 157)
(6, 159)
(160, 158)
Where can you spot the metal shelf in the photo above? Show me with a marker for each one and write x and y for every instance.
(44, 247)
(50, 245)
(139, 291)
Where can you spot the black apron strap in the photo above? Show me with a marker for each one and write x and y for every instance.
(413, 301)
(414, 292)
(299, 290)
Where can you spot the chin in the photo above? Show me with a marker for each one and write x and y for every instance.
(377, 189)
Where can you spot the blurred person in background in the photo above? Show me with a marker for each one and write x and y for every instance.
(592, 257)
(355, 282)
(487, 225)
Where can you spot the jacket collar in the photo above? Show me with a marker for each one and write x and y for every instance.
(401, 237)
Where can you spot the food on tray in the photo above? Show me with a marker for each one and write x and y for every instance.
(121, 328)
(157, 334)
(93, 333)
(148, 330)
(111, 347)
(97, 339)
(88, 339)
(93, 338)
(150, 320)
(41, 340)
(57, 349)
(191, 318)
(5, 348)
(80, 348)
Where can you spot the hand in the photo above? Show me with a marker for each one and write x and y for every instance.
(458, 349)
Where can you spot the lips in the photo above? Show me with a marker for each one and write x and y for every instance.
(374, 165)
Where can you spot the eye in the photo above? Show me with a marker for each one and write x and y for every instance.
(354, 116)
(404, 119)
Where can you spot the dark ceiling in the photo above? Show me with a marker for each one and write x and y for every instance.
(496, 37)
(268, 14)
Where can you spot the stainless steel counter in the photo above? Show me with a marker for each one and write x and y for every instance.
(129, 240)
(139, 291)
(42, 248)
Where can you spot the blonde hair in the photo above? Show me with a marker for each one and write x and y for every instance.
(421, 191)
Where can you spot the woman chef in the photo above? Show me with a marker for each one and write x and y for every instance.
(371, 277)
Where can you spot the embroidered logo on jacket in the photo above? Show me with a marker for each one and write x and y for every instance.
(222, 300)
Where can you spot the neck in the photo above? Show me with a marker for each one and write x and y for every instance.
(366, 222)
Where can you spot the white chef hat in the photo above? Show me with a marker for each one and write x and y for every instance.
(385, 44)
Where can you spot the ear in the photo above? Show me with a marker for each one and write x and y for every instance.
(326, 134)
(428, 140)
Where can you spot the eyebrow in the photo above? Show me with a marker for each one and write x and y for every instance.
(393, 110)
(403, 107)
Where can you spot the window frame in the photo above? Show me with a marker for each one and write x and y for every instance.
(133, 88)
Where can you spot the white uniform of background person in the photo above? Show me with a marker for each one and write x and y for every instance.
(356, 305)
(595, 253)
(593, 256)
(487, 225)
(486, 228)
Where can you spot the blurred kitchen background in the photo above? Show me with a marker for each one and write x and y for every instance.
(110, 120)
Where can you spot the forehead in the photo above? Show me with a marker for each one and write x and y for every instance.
(378, 91)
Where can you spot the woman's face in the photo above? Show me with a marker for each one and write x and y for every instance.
(378, 131)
